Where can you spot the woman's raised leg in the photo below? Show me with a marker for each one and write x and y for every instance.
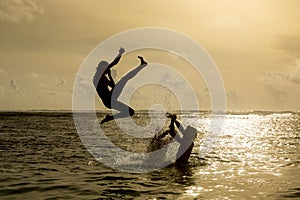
(123, 81)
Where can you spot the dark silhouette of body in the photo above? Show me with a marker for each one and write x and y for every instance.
(186, 141)
(109, 91)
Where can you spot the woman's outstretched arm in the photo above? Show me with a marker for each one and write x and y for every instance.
(117, 59)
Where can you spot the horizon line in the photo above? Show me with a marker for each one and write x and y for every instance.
(104, 110)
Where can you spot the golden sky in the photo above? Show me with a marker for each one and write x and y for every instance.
(254, 43)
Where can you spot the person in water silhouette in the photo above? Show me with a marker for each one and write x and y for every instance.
(109, 91)
(185, 139)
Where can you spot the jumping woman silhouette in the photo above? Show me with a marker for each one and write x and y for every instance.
(109, 91)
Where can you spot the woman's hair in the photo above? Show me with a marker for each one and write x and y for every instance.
(100, 71)
(102, 65)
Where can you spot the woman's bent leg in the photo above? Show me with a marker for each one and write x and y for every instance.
(125, 111)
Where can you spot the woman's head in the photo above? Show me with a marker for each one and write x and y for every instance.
(100, 71)
(102, 66)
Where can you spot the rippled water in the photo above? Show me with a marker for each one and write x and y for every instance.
(256, 155)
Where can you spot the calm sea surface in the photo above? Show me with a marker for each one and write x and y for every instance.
(255, 156)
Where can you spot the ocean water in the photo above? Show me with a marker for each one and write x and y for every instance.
(255, 156)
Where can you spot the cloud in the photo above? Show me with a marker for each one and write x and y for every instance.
(3, 72)
(276, 93)
(58, 81)
(13, 85)
(61, 82)
(32, 76)
(290, 44)
(234, 98)
(19, 10)
(45, 82)
(283, 85)
(52, 93)
(276, 76)
(84, 86)
(169, 79)
(2, 92)
(295, 75)
(279, 77)
(296, 80)
(275, 82)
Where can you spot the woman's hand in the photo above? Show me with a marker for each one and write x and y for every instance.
(121, 50)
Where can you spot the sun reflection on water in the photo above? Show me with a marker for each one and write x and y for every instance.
(248, 155)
